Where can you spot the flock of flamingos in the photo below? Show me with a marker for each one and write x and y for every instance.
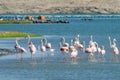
(73, 48)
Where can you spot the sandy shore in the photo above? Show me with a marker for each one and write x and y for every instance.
(59, 6)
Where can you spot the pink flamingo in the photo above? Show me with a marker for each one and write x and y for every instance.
(73, 51)
(78, 45)
(17, 46)
(32, 48)
(101, 51)
(93, 45)
(48, 46)
(64, 47)
(42, 49)
(74, 54)
(19, 49)
(114, 48)
(90, 53)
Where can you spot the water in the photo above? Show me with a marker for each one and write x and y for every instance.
(53, 68)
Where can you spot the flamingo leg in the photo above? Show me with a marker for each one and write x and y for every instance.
(21, 57)
(31, 57)
(64, 57)
(17, 55)
(103, 57)
(115, 58)
(42, 56)
(74, 60)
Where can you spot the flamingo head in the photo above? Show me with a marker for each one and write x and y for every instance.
(114, 40)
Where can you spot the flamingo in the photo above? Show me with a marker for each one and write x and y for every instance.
(20, 49)
(32, 48)
(74, 54)
(89, 52)
(42, 48)
(101, 51)
(77, 44)
(48, 45)
(64, 47)
(71, 47)
(64, 50)
(65, 44)
(114, 48)
(17, 46)
(93, 44)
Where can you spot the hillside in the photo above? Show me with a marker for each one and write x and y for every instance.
(59, 6)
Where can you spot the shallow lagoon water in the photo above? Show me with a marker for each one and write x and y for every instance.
(54, 68)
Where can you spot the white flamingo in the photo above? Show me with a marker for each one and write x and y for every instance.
(32, 48)
(114, 48)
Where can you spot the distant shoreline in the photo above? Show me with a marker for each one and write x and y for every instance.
(60, 7)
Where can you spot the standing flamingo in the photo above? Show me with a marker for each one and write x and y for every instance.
(48, 46)
(71, 47)
(17, 46)
(101, 51)
(73, 52)
(114, 48)
(64, 47)
(19, 49)
(93, 44)
(32, 48)
(77, 43)
(42, 49)
(90, 53)
(64, 50)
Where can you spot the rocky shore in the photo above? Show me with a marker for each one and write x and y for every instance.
(59, 6)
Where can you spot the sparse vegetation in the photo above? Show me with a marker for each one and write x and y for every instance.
(10, 34)
(15, 22)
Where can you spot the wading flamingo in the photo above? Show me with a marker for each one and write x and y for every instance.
(32, 48)
(42, 49)
(114, 48)
(19, 49)
(48, 46)
(64, 47)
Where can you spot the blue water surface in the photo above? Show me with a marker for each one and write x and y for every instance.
(53, 67)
